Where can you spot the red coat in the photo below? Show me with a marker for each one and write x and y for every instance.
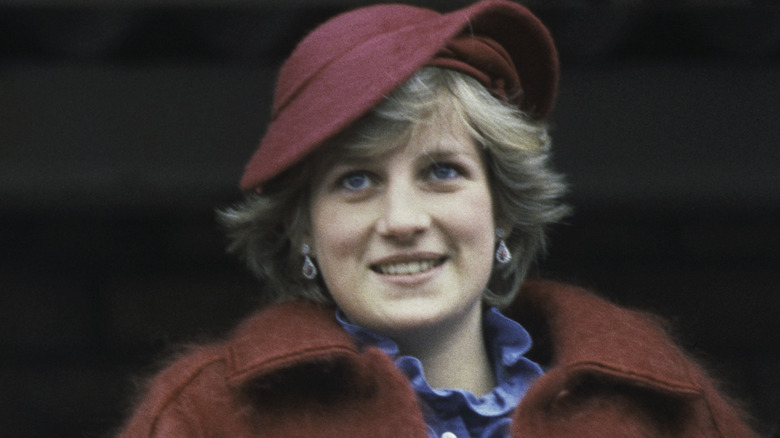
(291, 371)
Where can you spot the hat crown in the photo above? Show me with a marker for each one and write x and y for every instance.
(337, 37)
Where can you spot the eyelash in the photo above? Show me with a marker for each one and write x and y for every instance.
(342, 181)
(457, 170)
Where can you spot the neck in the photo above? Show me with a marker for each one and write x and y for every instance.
(453, 356)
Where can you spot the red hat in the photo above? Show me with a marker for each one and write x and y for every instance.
(349, 64)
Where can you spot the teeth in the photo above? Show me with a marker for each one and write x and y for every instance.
(406, 268)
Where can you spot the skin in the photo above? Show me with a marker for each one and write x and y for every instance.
(405, 244)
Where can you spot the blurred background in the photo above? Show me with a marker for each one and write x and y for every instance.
(125, 123)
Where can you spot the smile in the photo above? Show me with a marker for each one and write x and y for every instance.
(407, 268)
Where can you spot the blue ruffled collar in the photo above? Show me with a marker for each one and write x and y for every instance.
(460, 411)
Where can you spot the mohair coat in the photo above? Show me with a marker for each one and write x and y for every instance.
(290, 370)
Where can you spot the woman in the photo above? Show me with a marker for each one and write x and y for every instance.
(395, 204)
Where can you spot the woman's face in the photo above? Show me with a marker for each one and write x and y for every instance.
(405, 241)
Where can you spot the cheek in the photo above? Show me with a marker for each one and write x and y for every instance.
(337, 246)
(333, 231)
(473, 217)
(476, 228)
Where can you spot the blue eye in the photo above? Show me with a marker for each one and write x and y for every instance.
(355, 181)
(444, 171)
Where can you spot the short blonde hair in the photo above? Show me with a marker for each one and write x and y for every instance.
(266, 229)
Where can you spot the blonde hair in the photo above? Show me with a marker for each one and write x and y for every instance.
(265, 230)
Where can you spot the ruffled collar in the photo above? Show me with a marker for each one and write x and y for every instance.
(454, 408)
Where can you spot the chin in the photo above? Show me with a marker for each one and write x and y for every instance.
(416, 320)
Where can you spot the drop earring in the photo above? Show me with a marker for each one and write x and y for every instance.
(308, 270)
(503, 255)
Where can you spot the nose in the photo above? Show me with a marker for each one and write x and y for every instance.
(404, 214)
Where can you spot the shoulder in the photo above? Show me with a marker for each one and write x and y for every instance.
(616, 369)
(205, 381)
(194, 375)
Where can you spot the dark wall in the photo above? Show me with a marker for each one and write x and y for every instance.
(122, 128)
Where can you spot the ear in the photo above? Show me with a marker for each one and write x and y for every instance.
(287, 219)
(297, 229)
(507, 229)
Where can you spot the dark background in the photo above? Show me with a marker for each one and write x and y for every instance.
(124, 124)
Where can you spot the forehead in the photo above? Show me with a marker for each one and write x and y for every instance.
(442, 135)
(440, 127)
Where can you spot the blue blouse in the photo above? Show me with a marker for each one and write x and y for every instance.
(458, 411)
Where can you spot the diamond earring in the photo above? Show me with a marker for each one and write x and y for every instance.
(308, 270)
(503, 255)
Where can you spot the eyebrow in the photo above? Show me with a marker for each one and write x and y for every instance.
(439, 151)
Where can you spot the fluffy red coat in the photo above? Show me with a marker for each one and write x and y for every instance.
(291, 371)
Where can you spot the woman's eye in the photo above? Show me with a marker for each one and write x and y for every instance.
(444, 171)
(355, 181)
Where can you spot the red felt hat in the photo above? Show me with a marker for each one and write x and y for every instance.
(349, 64)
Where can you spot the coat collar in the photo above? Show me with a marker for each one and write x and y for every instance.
(284, 335)
(587, 335)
